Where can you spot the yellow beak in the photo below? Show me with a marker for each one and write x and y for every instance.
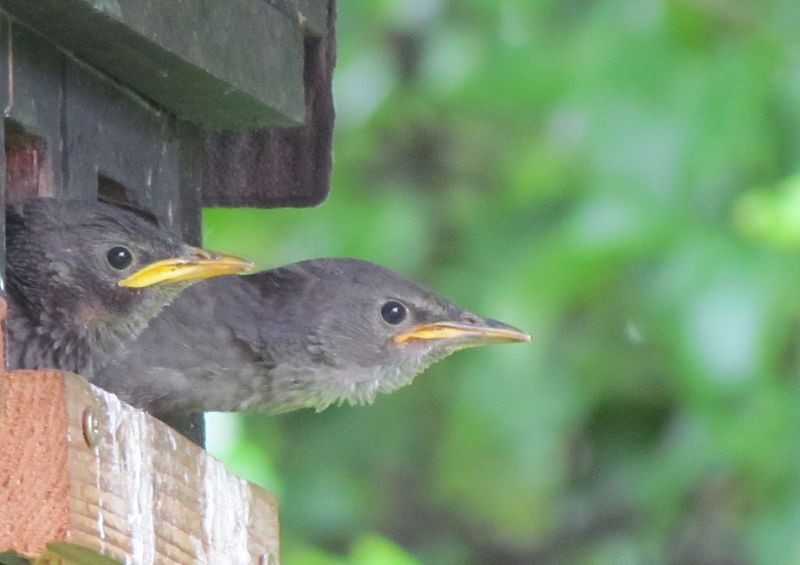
(195, 265)
(467, 334)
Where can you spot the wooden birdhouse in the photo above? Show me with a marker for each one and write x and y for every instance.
(171, 106)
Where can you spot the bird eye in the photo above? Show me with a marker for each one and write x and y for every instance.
(393, 312)
(119, 257)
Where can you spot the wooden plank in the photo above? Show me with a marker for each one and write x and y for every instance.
(311, 15)
(190, 154)
(80, 467)
(34, 483)
(5, 39)
(279, 167)
(222, 64)
(110, 132)
(33, 115)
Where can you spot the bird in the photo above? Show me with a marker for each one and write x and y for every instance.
(306, 335)
(84, 277)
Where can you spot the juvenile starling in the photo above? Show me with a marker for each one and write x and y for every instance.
(309, 334)
(85, 277)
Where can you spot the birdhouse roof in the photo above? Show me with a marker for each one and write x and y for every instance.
(254, 76)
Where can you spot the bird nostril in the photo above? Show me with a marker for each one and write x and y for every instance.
(470, 319)
(200, 254)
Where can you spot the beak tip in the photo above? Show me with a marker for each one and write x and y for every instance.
(513, 335)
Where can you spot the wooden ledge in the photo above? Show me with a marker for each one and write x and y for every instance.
(79, 467)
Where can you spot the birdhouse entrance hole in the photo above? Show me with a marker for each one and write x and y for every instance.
(113, 192)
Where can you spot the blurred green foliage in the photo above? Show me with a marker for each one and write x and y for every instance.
(617, 177)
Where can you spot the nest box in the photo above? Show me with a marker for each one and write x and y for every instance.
(170, 106)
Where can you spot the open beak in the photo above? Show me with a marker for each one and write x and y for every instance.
(464, 334)
(195, 264)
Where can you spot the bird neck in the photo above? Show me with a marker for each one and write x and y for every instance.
(323, 386)
(72, 340)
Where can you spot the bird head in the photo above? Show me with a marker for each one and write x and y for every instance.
(369, 330)
(96, 269)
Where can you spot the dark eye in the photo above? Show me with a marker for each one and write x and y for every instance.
(393, 312)
(119, 257)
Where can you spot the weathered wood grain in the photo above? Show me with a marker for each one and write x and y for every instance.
(34, 474)
(79, 466)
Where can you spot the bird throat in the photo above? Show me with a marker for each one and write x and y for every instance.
(77, 340)
(326, 386)
(104, 332)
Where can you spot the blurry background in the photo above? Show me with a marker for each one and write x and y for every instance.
(613, 176)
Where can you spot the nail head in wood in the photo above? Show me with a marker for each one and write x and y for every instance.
(90, 423)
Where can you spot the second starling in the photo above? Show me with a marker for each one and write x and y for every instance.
(310, 334)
